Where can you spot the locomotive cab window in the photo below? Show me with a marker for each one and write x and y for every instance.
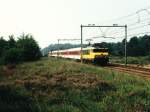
(86, 52)
(100, 50)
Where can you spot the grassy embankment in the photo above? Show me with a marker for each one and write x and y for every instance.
(145, 60)
(51, 85)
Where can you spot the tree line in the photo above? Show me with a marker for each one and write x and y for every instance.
(136, 46)
(25, 48)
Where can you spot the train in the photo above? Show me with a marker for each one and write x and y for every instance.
(92, 54)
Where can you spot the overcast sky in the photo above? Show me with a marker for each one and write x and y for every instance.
(49, 20)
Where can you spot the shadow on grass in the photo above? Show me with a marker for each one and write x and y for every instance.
(15, 100)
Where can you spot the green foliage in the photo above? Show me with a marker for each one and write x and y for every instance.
(137, 46)
(3, 46)
(24, 49)
(11, 42)
(15, 99)
(57, 85)
(140, 60)
(13, 56)
(31, 50)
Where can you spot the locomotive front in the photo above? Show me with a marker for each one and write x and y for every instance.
(96, 55)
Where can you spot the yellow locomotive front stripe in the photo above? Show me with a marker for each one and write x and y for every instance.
(92, 56)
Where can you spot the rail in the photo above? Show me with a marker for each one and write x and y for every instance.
(140, 71)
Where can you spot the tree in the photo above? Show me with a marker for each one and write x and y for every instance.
(31, 50)
(145, 44)
(3, 45)
(13, 56)
(134, 47)
(11, 42)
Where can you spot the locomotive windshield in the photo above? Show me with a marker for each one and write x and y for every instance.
(100, 50)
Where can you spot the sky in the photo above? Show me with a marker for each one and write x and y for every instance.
(49, 20)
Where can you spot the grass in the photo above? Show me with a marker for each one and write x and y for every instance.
(145, 60)
(51, 85)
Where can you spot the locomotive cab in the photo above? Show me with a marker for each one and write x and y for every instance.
(96, 55)
(101, 56)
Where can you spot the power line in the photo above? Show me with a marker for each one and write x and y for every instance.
(140, 22)
(137, 27)
(136, 34)
(134, 28)
(139, 34)
(130, 15)
(129, 30)
(144, 21)
(129, 18)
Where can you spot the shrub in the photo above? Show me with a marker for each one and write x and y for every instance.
(15, 99)
(24, 49)
(13, 56)
(31, 50)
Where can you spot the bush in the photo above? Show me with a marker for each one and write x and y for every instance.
(24, 49)
(1, 60)
(31, 50)
(15, 99)
(13, 56)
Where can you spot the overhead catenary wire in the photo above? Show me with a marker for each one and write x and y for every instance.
(132, 16)
(132, 22)
(138, 27)
(136, 34)
(128, 16)
(134, 28)
(141, 24)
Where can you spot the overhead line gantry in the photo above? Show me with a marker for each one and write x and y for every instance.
(102, 26)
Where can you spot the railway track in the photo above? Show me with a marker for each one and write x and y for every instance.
(132, 70)
(143, 72)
